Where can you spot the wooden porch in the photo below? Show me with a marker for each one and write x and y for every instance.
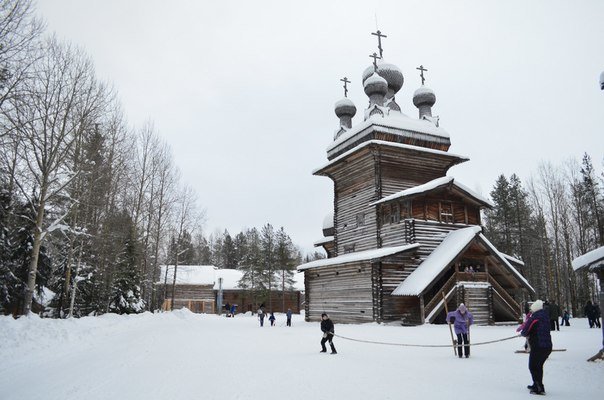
(488, 301)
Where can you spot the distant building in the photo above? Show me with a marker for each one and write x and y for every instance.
(404, 236)
(197, 288)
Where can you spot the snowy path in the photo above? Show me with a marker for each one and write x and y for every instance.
(186, 356)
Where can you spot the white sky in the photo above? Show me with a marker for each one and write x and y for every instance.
(243, 91)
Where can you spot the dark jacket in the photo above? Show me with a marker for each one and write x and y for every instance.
(327, 326)
(537, 329)
(554, 311)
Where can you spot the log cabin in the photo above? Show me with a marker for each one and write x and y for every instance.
(197, 288)
(405, 240)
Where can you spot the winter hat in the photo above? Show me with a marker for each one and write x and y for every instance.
(536, 306)
(323, 315)
(462, 308)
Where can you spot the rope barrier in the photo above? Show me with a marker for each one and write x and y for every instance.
(426, 345)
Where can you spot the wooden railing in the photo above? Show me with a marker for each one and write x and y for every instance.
(505, 296)
(438, 296)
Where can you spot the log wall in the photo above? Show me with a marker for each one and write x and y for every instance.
(343, 292)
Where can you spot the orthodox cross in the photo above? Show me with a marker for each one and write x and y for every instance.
(379, 36)
(375, 58)
(346, 81)
(421, 73)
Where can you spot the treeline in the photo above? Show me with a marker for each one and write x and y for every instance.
(267, 257)
(557, 216)
(87, 205)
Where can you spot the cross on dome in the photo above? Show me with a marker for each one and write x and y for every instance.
(379, 36)
(346, 81)
(421, 69)
(375, 58)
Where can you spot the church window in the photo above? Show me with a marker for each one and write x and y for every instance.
(385, 214)
(446, 212)
(405, 209)
(395, 213)
(360, 219)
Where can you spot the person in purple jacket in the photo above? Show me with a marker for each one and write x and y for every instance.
(461, 320)
(537, 330)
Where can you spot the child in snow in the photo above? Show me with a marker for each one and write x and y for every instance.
(565, 318)
(461, 320)
(289, 317)
(272, 319)
(537, 330)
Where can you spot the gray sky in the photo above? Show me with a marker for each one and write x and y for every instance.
(243, 91)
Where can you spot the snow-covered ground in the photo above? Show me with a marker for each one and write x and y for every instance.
(183, 356)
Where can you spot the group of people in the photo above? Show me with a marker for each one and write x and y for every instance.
(272, 318)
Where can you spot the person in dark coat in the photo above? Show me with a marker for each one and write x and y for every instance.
(328, 331)
(289, 317)
(272, 319)
(554, 314)
(537, 330)
(566, 318)
(597, 315)
(461, 320)
(590, 312)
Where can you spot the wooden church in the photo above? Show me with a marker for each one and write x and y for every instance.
(405, 239)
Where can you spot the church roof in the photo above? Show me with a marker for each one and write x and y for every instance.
(433, 185)
(367, 255)
(397, 124)
(593, 260)
(453, 159)
(451, 247)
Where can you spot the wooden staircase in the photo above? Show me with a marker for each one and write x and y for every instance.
(477, 298)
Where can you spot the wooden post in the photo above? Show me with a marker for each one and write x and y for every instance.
(448, 322)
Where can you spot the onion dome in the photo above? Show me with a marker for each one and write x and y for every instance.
(345, 110)
(345, 107)
(390, 72)
(375, 85)
(424, 98)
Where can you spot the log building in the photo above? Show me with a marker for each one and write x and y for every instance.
(197, 288)
(404, 237)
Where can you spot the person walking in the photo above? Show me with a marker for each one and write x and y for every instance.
(537, 330)
(565, 318)
(328, 330)
(461, 320)
(272, 319)
(261, 316)
(589, 312)
(554, 314)
(289, 317)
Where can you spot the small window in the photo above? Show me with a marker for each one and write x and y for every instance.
(446, 212)
(361, 219)
(405, 209)
(386, 214)
(395, 215)
(349, 248)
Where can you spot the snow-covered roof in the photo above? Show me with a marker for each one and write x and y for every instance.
(505, 262)
(395, 123)
(513, 259)
(440, 258)
(453, 244)
(328, 221)
(394, 145)
(189, 274)
(366, 255)
(326, 239)
(433, 185)
(592, 260)
(209, 275)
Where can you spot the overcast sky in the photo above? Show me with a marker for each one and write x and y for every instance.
(244, 91)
